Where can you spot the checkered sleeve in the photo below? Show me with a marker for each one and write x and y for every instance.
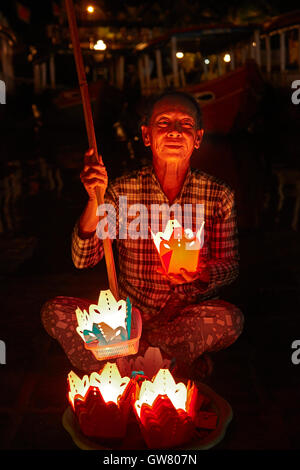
(224, 251)
(87, 252)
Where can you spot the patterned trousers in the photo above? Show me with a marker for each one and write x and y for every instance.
(181, 331)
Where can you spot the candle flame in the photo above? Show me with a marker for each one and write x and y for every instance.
(179, 248)
(108, 312)
(109, 382)
(163, 384)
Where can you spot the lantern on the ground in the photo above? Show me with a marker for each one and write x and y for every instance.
(111, 328)
(102, 402)
(149, 364)
(166, 411)
(178, 248)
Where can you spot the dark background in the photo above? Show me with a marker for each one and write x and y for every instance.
(256, 375)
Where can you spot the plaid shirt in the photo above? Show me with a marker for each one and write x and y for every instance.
(139, 260)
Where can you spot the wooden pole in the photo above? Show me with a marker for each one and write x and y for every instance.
(44, 75)
(141, 73)
(120, 73)
(299, 48)
(174, 61)
(147, 71)
(232, 61)
(282, 51)
(52, 71)
(268, 55)
(108, 253)
(36, 78)
(159, 69)
(220, 64)
(257, 47)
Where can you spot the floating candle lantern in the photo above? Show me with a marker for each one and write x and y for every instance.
(149, 364)
(102, 402)
(178, 248)
(166, 411)
(110, 329)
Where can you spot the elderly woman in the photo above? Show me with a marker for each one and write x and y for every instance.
(181, 312)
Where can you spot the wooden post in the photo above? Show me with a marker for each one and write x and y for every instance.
(44, 75)
(141, 73)
(282, 51)
(120, 72)
(182, 77)
(117, 72)
(232, 61)
(174, 61)
(220, 65)
(160, 75)
(88, 118)
(299, 47)
(268, 55)
(6, 54)
(244, 54)
(147, 70)
(52, 71)
(36, 78)
(257, 47)
(252, 49)
(111, 73)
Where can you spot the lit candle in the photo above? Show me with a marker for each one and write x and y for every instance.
(166, 411)
(110, 329)
(102, 402)
(178, 248)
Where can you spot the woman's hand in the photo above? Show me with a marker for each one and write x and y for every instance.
(185, 276)
(93, 175)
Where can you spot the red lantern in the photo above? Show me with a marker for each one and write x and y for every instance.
(166, 411)
(178, 248)
(102, 402)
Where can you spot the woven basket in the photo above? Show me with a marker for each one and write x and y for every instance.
(123, 348)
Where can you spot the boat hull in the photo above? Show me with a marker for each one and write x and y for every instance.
(229, 102)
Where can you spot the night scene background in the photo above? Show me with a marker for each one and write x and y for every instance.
(242, 73)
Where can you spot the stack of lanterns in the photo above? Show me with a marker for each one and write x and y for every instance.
(166, 411)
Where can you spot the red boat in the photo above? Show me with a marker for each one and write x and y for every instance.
(229, 102)
(229, 99)
(228, 93)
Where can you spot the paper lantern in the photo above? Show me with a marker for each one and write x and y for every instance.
(102, 402)
(149, 364)
(166, 411)
(178, 248)
(110, 329)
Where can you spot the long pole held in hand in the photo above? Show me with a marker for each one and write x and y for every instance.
(88, 117)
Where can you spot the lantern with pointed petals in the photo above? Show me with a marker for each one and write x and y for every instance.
(110, 329)
(178, 248)
(149, 364)
(166, 411)
(102, 402)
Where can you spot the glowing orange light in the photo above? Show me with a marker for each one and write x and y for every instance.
(149, 364)
(90, 9)
(102, 402)
(107, 313)
(178, 248)
(110, 329)
(166, 411)
(109, 383)
(100, 45)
